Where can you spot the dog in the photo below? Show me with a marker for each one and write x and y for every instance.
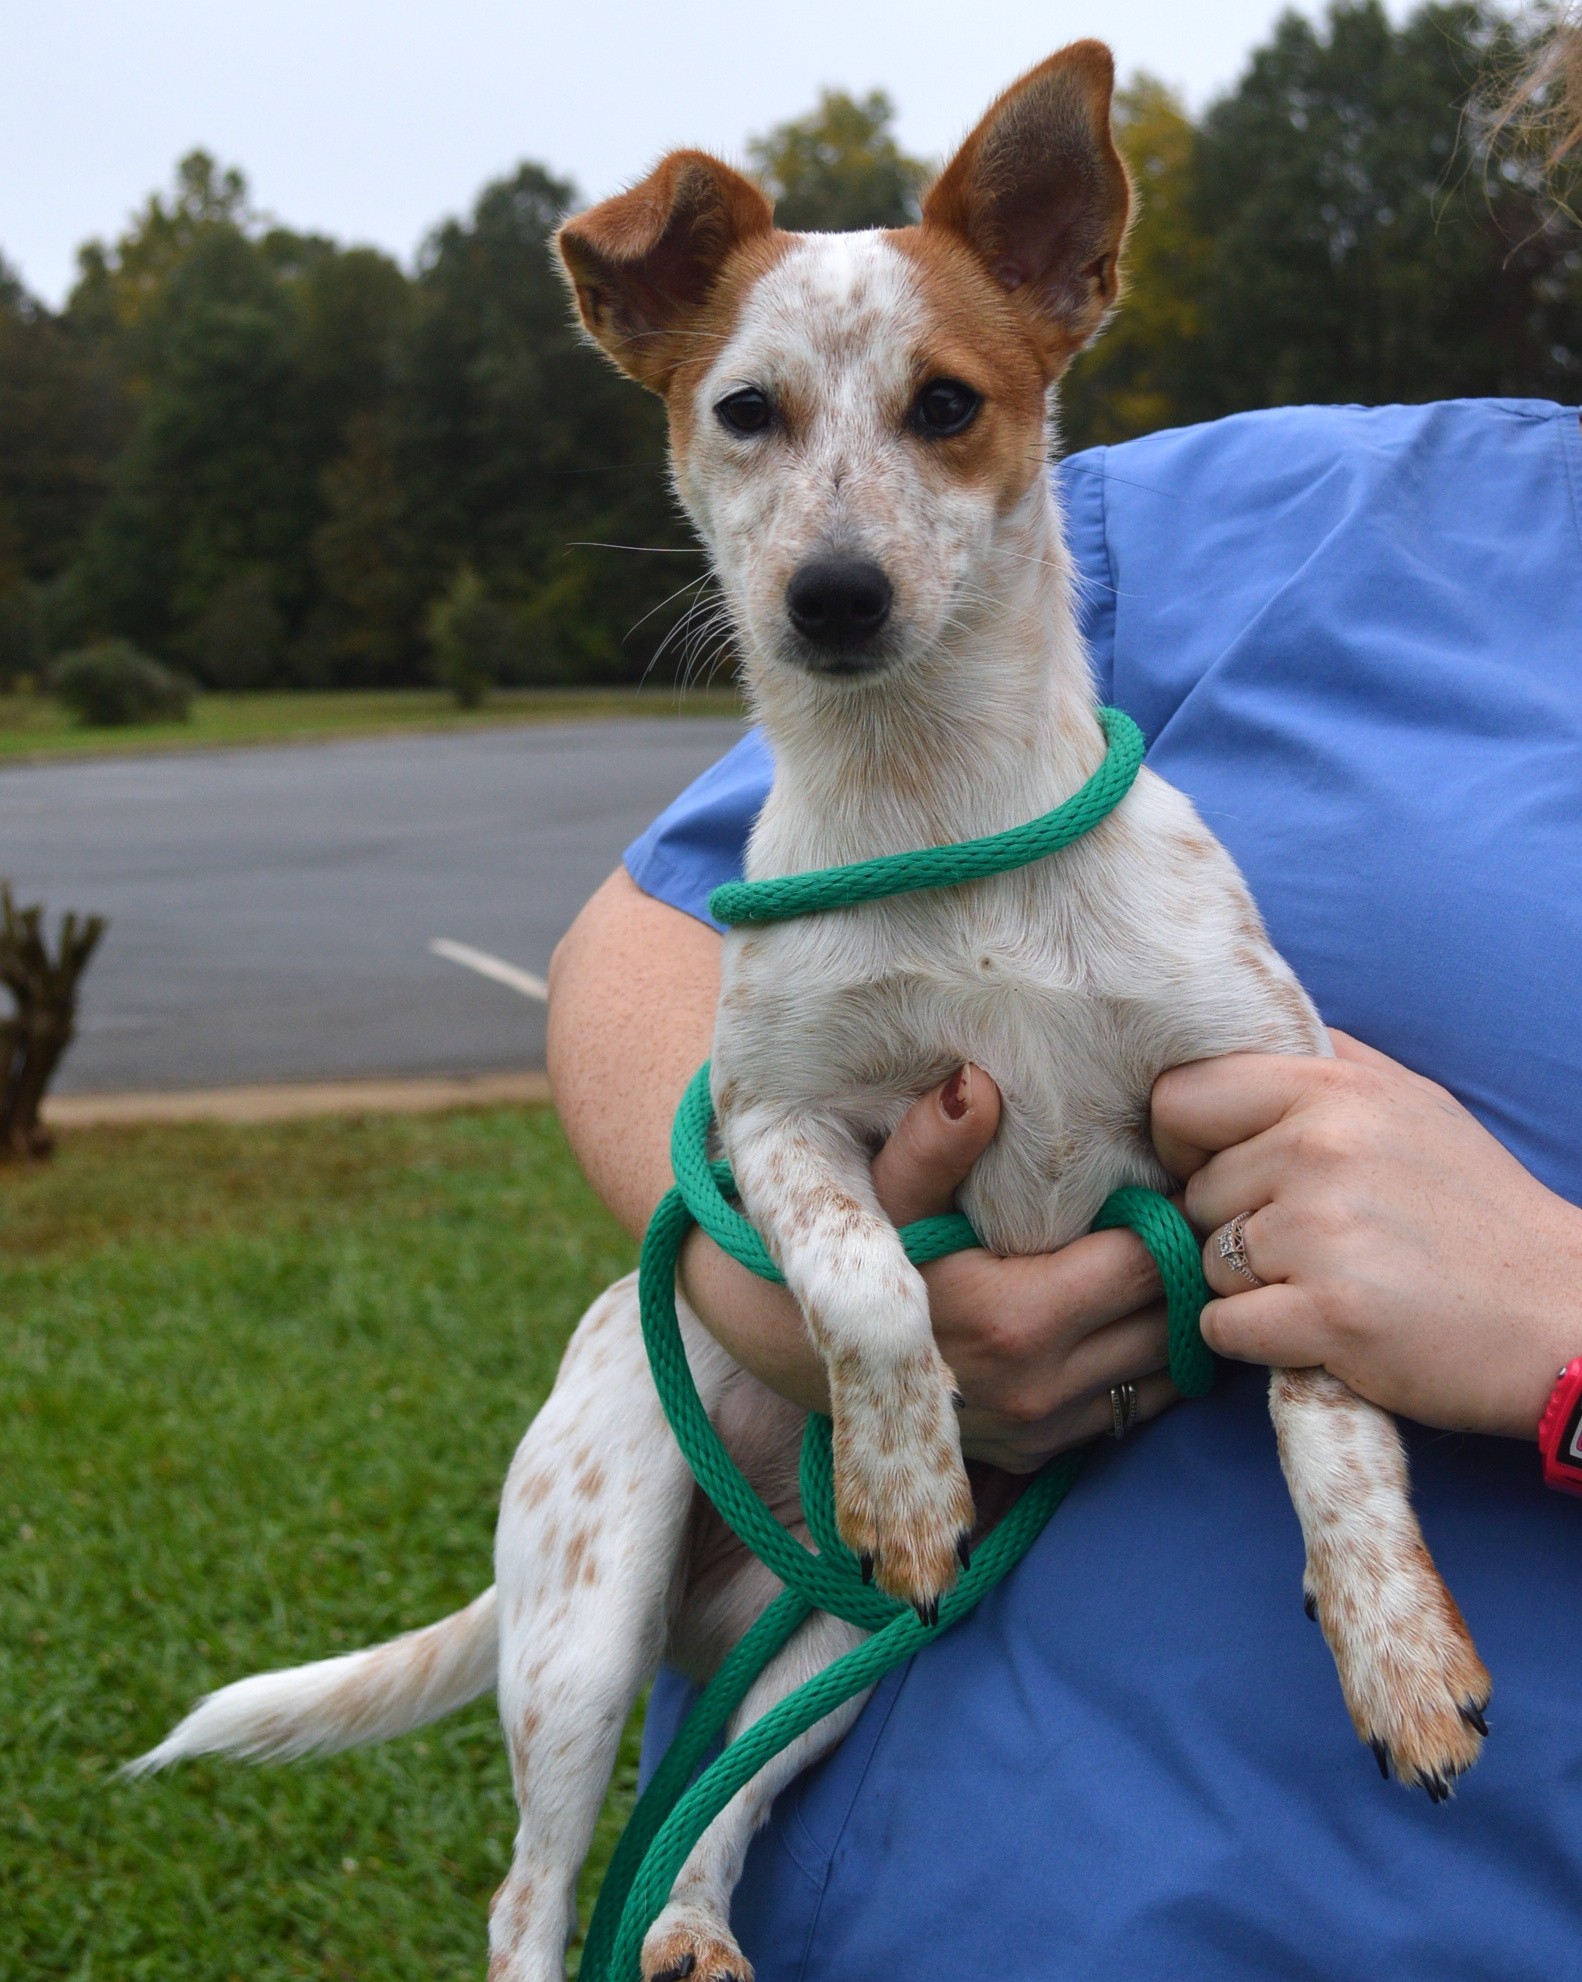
(859, 431)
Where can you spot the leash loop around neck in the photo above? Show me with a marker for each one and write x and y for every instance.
(676, 1809)
(792, 895)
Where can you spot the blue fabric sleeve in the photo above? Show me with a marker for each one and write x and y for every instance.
(1080, 485)
(697, 842)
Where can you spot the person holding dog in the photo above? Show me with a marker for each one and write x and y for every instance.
(1351, 636)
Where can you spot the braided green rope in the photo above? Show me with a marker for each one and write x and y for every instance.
(945, 866)
(671, 1815)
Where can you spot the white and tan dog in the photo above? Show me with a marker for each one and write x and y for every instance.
(858, 429)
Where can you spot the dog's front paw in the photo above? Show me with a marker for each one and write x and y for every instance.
(1413, 1681)
(685, 1945)
(902, 1501)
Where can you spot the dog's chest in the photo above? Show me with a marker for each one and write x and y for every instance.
(859, 1013)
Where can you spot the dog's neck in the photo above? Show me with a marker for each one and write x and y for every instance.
(992, 729)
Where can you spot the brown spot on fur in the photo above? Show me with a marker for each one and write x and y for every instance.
(652, 269)
(581, 1561)
(534, 1489)
(1039, 193)
(977, 335)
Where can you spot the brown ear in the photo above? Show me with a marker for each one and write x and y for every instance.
(643, 264)
(1040, 195)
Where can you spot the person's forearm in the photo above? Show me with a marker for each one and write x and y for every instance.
(632, 990)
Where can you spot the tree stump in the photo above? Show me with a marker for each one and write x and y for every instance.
(33, 1039)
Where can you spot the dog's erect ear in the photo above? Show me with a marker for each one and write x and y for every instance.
(1040, 195)
(643, 264)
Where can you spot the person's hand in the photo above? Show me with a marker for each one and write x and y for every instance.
(1405, 1249)
(1035, 1343)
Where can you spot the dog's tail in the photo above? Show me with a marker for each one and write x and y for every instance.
(338, 1703)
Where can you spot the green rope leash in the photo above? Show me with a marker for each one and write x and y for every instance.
(945, 866)
(674, 1810)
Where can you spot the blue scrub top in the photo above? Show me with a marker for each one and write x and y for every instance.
(1355, 638)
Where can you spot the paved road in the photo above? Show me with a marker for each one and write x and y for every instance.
(270, 910)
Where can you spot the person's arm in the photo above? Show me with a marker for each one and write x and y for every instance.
(1406, 1250)
(1035, 1344)
(632, 989)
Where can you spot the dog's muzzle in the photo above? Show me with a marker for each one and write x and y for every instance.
(839, 606)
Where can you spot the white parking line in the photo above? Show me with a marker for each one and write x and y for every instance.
(496, 967)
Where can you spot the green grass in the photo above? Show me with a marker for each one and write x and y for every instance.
(258, 1390)
(36, 726)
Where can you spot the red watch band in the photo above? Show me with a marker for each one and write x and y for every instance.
(1560, 1431)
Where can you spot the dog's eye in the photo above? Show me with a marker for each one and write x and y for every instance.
(745, 412)
(945, 407)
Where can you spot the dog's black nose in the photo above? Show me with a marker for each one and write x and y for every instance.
(838, 602)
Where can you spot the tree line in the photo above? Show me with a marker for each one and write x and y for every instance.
(272, 460)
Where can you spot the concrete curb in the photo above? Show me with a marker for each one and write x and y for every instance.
(292, 1101)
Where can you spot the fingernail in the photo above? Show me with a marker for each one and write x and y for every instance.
(955, 1097)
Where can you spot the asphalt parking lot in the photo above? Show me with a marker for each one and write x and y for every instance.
(271, 910)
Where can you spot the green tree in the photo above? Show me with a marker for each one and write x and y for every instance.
(250, 356)
(1135, 378)
(61, 424)
(839, 167)
(1364, 245)
(474, 639)
(519, 451)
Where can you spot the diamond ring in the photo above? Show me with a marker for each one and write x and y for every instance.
(1233, 1250)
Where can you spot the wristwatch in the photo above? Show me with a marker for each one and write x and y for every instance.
(1560, 1431)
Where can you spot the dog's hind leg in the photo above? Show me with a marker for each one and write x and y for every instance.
(590, 1539)
(692, 1937)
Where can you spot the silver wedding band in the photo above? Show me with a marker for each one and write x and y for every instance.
(1123, 1409)
(1233, 1250)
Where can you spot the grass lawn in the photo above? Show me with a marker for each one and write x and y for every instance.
(259, 1387)
(35, 726)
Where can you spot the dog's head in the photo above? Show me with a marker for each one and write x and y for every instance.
(858, 421)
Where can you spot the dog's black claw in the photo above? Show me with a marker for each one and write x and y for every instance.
(865, 1564)
(1438, 1789)
(964, 1550)
(928, 1612)
(958, 1400)
(678, 1971)
(1310, 1605)
(1381, 1755)
(1473, 1716)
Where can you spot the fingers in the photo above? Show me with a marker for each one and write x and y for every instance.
(1018, 1313)
(1124, 1352)
(1024, 1450)
(1044, 1404)
(1347, 1048)
(1260, 1250)
(1212, 1104)
(1243, 1179)
(940, 1137)
(1271, 1325)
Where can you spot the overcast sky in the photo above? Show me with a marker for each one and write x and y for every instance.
(370, 120)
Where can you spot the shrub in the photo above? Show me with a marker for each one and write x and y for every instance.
(474, 639)
(21, 633)
(111, 683)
